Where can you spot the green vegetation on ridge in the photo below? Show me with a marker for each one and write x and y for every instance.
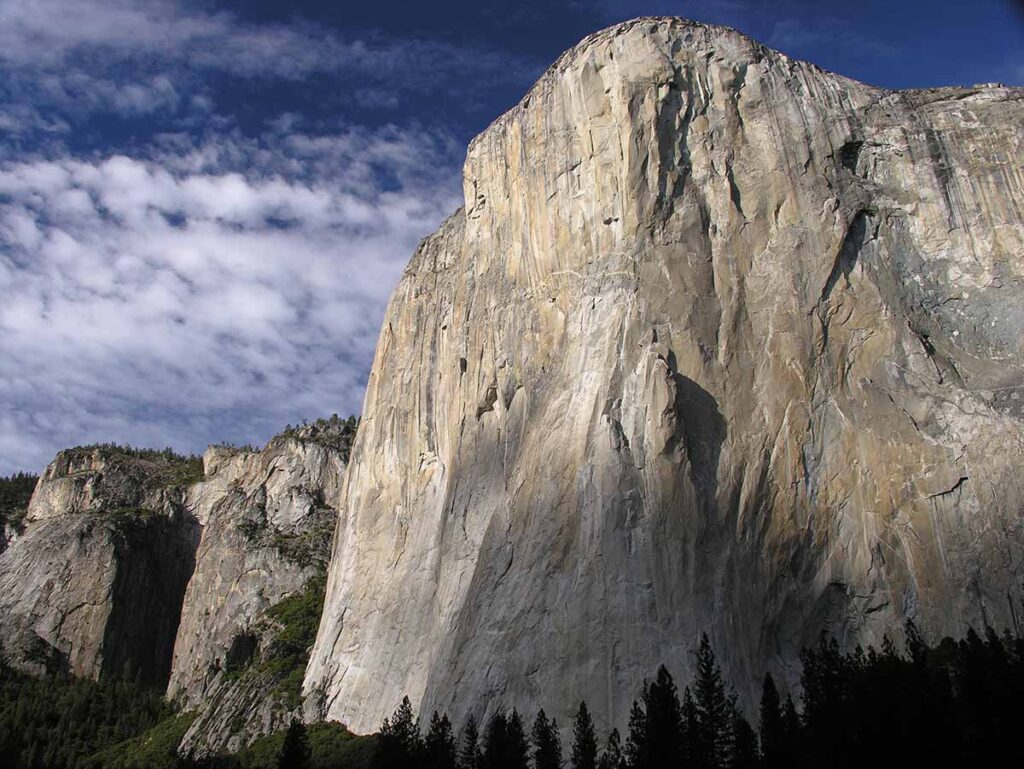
(15, 494)
(294, 622)
(334, 432)
(170, 467)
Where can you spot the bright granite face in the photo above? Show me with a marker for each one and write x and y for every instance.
(720, 342)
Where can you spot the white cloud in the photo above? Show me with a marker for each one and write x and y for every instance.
(214, 292)
(170, 274)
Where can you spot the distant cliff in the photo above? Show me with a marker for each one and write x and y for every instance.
(254, 602)
(720, 341)
(202, 576)
(94, 583)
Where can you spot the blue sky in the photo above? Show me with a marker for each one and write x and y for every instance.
(205, 205)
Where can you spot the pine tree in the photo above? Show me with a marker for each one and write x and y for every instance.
(664, 722)
(636, 741)
(295, 753)
(547, 750)
(827, 683)
(691, 756)
(584, 741)
(470, 756)
(612, 757)
(505, 745)
(518, 747)
(495, 748)
(772, 727)
(439, 745)
(399, 743)
(714, 709)
(744, 743)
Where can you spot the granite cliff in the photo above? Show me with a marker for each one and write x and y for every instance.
(719, 342)
(204, 577)
(262, 557)
(94, 583)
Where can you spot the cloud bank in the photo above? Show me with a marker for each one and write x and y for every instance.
(199, 224)
(212, 292)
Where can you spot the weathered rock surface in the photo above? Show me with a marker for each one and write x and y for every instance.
(95, 582)
(720, 342)
(266, 536)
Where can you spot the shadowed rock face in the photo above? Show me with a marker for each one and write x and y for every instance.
(94, 585)
(720, 342)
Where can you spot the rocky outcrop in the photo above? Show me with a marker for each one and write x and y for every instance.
(205, 577)
(94, 583)
(720, 342)
(239, 658)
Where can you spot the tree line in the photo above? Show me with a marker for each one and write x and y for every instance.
(58, 722)
(916, 705)
(919, 705)
(15, 494)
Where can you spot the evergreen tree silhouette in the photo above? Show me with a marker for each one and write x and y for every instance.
(656, 727)
(612, 756)
(399, 743)
(986, 701)
(827, 679)
(772, 727)
(714, 710)
(496, 741)
(664, 722)
(518, 747)
(584, 741)
(547, 750)
(928, 703)
(691, 730)
(470, 755)
(295, 753)
(505, 745)
(744, 754)
(636, 741)
(439, 744)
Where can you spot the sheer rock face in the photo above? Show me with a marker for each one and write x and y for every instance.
(94, 585)
(266, 534)
(720, 342)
